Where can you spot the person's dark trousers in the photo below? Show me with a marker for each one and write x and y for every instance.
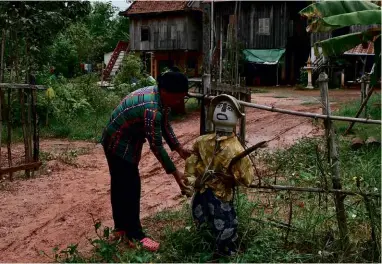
(125, 196)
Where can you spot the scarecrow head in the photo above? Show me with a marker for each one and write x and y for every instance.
(224, 112)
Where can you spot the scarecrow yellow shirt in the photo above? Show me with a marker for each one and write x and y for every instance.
(207, 157)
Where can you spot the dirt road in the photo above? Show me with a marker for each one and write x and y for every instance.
(55, 208)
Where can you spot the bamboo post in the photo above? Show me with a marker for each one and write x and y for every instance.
(9, 138)
(30, 134)
(206, 91)
(24, 129)
(1, 91)
(102, 74)
(311, 190)
(297, 113)
(333, 160)
(35, 125)
(363, 92)
(1, 121)
(367, 86)
(242, 127)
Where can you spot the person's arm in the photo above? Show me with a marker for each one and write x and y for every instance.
(153, 130)
(170, 137)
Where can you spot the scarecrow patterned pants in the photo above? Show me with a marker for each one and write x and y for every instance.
(219, 216)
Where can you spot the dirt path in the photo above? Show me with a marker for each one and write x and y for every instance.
(55, 208)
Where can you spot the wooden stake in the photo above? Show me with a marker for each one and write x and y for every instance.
(1, 121)
(9, 138)
(35, 126)
(30, 134)
(1, 80)
(24, 129)
(333, 160)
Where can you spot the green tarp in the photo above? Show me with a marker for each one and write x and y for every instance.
(263, 56)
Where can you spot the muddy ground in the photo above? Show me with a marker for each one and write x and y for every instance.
(55, 207)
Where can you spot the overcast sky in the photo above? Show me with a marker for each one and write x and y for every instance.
(122, 5)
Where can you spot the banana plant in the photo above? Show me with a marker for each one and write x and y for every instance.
(326, 16)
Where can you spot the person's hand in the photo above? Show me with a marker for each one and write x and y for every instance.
(188, 191)
(181, 179)
(184, 153)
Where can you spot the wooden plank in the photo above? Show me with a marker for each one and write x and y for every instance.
(22, 86)
(28, 166)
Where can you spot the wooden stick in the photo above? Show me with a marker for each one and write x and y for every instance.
(9, 138)
(1, 79)
(24, 129)
(27, 166)
(35, 126)
(244, 153)
(22, 86)
(333, 160)
(1, 120)
(364, 103)
(312, 190)
(296, 113)
(30, 134)
(274, 223)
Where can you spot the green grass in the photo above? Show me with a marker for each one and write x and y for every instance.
(84, 127)
(280, 96)
(313, 240)
(361, 130)
(314, 237)
(79, 128)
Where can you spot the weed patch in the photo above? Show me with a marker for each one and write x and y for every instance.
(361, 130)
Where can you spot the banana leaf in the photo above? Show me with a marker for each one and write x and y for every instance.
(367, 17)
(338, 45)
(332, 8)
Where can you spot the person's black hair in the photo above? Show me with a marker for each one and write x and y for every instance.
(173, 82)
(174, 69)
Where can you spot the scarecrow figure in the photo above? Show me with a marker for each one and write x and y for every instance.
(210, 172)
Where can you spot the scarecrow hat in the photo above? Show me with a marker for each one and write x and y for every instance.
(224, 97)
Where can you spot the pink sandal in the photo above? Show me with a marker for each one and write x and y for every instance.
(149, 244)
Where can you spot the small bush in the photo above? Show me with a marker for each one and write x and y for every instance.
(303, 78)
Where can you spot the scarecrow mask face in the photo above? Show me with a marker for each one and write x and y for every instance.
(225, 117)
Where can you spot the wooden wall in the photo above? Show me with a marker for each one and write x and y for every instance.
(170, 32)
(262, 25)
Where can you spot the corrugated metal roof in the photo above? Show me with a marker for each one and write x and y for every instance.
(156, 6)
(359, 50)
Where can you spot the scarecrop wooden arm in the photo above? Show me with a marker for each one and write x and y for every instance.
(244, 153)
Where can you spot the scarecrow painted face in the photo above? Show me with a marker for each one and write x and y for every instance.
(225, 116)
